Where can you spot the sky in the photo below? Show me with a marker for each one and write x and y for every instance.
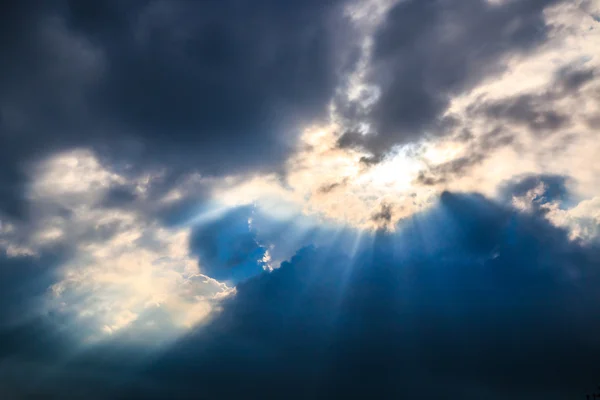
(301, 199)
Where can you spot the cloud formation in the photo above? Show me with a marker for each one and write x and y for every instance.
(299, 199)
(215, 86)
(427, 52)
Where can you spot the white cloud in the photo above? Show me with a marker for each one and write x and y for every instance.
(126, 270)
(582, 221)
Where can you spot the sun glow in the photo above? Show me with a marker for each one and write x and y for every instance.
(337, 185)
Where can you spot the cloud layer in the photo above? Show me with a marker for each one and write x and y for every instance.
(299, 199)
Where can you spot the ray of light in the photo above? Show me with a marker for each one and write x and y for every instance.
(209, 213)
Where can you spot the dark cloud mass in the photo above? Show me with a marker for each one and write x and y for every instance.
(428, 51)
(217, 76)
(217, 86)
(470, 298)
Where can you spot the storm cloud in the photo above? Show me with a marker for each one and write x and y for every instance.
(427, 52)
(217, 86)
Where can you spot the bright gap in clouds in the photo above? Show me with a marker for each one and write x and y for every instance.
(337, 187)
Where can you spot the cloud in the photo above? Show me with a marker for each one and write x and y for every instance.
(583, 220)
(213, 86)
(155, 154)
(119, 266)
(548, 196)
(533, 119)
(551, 188)
(517, 82)
(537, 111)
(427, 52)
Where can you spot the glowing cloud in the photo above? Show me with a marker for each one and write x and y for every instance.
(126, 270)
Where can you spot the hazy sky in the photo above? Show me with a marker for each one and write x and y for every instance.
(317, 199)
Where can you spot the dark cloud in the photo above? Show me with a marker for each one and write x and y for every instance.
(594, 122)
(384, 215)
(328, 188)
(479, 149)
(524, 110)
(219, 86)
(427, 51)
(219, 76)
(27, 329)
(23, 279)
(368, 160)
(471, 298)
(538, 111)
(452, 169)
(570, 80)
(119, 197)
(12, 199)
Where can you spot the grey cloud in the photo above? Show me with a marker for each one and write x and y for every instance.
(371, 160)
(526, 111)
(328, 188)
(479, 150)
(571, 80)
(594, 122)
(218, 86)
(538, 111)
(442, 173)
(428, 51)
(23, 281)
(119, 197)
(384, 215)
